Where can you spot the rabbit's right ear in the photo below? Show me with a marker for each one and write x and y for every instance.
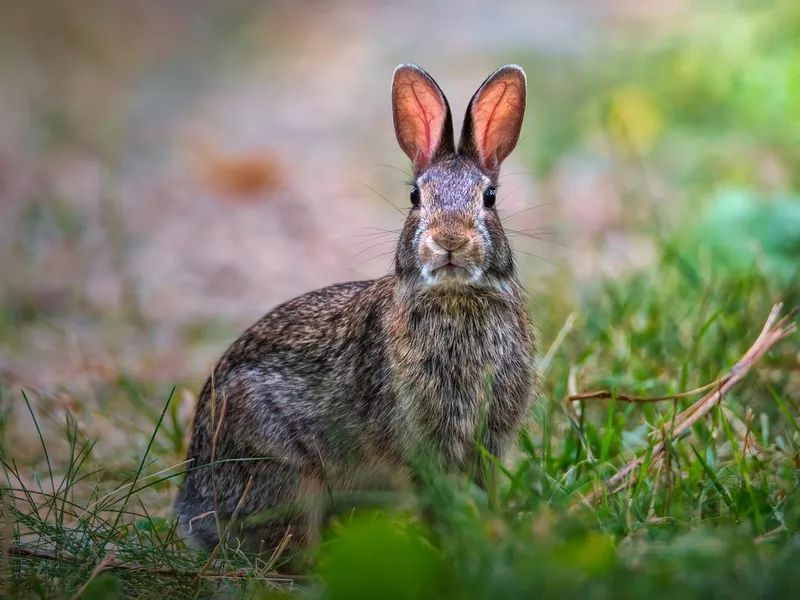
(494, 118)
(422, 120)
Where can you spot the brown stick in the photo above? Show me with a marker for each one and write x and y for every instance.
(605, 394)
(101, 566)
(774, 331)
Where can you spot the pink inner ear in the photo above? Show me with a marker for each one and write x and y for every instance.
(419, 114)
(497, 117)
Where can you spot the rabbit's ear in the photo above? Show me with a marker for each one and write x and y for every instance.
(422, 120)
(494, 118)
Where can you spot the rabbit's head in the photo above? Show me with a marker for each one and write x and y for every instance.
(453, 235)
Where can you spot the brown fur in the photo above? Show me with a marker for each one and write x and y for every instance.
(349, 385)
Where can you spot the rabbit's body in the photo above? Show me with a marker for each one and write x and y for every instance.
(349, 385)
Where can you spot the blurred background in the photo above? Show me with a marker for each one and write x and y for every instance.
(170, 171)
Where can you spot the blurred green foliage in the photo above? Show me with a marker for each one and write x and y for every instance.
(739, 230)
(710, 112)
(700, 103)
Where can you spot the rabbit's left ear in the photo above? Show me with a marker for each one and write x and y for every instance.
(494, 118)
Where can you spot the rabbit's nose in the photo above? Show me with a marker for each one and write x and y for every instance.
(451, 243)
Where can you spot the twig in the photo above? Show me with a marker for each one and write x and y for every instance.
(112, 563)
(562, 334)
(228, 528)
(605, 394)
(770, 535)
(774, 331)
(101, 566)
(278, 552)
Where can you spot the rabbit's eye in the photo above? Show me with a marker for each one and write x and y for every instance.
(489, 197)
(415, 197)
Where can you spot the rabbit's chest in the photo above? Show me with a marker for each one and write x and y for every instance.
(456, 349)
(450, 373)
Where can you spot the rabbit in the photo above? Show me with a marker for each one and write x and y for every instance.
(354, 383)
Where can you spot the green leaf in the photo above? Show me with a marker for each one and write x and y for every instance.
(376, 558)
(104, 587)
(153, 524)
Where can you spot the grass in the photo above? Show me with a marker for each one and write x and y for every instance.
(716, 517)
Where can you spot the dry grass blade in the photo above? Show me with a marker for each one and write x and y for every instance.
(605, 394)
(130, 484)
(214, 439)
(101, 566)
(223, 536)
(772, 333)
(278, 552)
(111, 563)
(562, 334)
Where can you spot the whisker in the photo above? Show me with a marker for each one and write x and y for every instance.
(540, 239)
(544, 230)
(388, 241)
(377, 256)
(382, 255)
(509, 194)
(362, 251)
(379, 232)
(389, 202)
(384, 230)
(404, 172)
(529, 173)
(539, 257)
(531, 208)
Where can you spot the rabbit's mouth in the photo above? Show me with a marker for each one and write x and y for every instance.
(451, 271)
(443, 263)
